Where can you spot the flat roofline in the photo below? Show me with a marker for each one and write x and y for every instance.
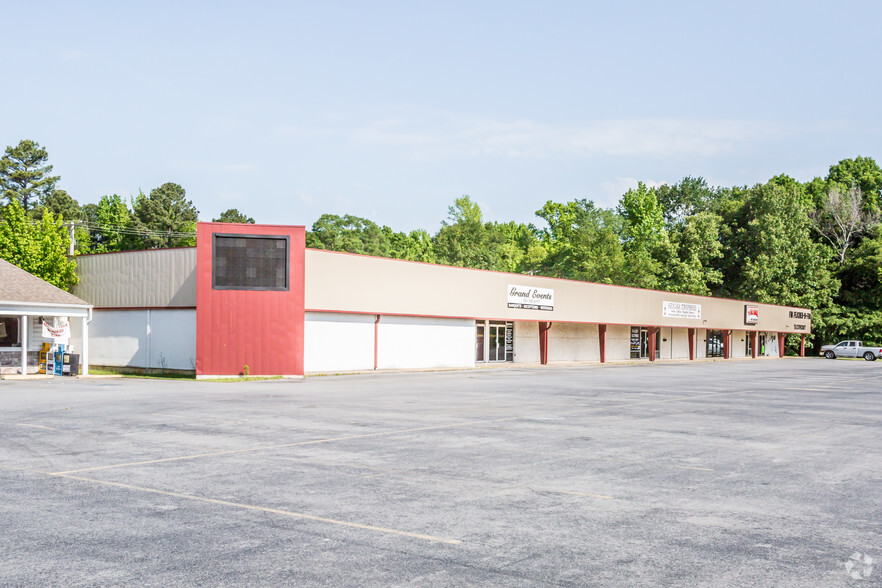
(554, 278)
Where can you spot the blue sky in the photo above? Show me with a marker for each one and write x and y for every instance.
(391, 110)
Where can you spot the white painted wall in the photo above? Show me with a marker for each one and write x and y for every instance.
(700, 343)
(679, 341)
(772, 345)
(739, 344)
(337, 342)
(674, 343)
(163, 338)
(420, 342)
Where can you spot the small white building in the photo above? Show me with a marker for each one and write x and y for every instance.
(25, 299)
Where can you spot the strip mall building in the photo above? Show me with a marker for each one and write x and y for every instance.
(253, 295)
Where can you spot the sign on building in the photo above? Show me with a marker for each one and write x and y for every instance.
(530, 298)
(685, 310)
(751, 314)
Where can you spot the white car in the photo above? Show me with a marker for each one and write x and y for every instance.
(851, 349)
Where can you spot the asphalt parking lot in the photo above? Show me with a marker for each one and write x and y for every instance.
(736, 473)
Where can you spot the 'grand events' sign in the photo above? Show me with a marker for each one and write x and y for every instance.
(681, 310)
(530, 298)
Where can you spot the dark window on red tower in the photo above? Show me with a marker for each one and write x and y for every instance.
(250, 262)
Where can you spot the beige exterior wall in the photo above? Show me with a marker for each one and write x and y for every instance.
(157, 278)
(340, 282)
(355, 283)
(526, 342)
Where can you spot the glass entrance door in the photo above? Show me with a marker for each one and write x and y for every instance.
(714, 343)
(500, 341)
(640, 343)
(497, 343)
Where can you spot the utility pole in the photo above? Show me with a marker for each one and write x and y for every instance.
(73, 239)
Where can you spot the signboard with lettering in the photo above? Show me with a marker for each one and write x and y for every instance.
(530, 298)
(751, 314)
(62, 331)
(685, 310)
(635, 342)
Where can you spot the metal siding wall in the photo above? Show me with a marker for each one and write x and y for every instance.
(173, 339)
(118, 338)
(164, 338)
(138, 279)
(260, 329)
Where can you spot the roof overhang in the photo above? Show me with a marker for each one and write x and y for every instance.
(25, 308)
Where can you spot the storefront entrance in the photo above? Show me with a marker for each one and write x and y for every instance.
(640, 343)
(494, 341)
(715, 344)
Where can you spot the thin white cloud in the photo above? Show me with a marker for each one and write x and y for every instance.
(613, 190)
(445, 134)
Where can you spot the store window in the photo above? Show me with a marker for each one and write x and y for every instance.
(250, 262)
(10, 331)
(715, 344)
(640, 343)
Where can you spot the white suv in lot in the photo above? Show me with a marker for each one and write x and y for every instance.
(851, 349)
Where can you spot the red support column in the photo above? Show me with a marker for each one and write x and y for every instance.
(543, 342)
(601, 333)
(802, 345)
(653, 333)
(691, 344)
(753, 340)
(726, 344)
(781, 338)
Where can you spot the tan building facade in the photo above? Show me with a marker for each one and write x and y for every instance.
(364, 313)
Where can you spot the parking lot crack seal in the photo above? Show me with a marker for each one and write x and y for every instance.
(277, 511)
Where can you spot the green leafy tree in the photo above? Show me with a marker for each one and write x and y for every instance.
(232, 215)
(781, 263)
(351, 234)
(699, 250)
(464, 240)
(581, 242)
(649, 253)
(37, 247)
(687, 197)
(165, 218)
(415, 246)
(25, 175)
(111, 222)
(863, 173)
(61, 204)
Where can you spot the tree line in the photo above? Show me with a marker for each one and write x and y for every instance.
(39, 221)
(816, 244)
